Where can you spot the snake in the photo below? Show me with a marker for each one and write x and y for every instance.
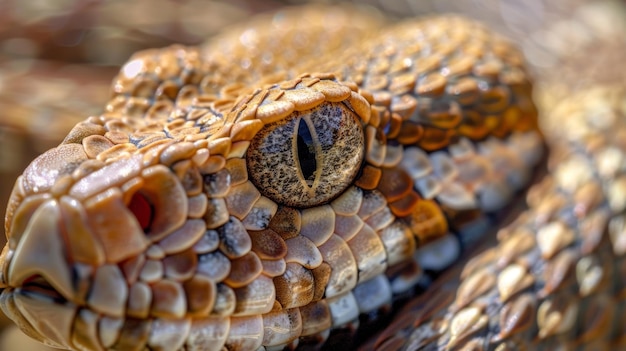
(269, 188)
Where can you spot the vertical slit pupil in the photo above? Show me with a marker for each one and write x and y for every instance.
(142, 210)
(306, 151)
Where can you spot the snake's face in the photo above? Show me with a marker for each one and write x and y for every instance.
(120, 230)
(82, 231)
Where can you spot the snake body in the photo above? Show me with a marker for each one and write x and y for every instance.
(270, 186)
(554, 278)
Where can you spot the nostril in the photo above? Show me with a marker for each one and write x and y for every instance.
(36, 285)
(142, 209)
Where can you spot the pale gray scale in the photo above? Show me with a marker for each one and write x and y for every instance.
(494, 196)
(344, 309)
(373, 294)
(439, 254)
(207, 243)
(471, 233)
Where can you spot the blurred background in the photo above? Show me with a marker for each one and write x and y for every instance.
(58, 57)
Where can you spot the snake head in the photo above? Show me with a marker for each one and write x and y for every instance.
(121, 229)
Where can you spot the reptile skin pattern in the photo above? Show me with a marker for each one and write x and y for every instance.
(554, 278)
(269, 188)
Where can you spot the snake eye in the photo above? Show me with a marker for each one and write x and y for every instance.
(308, 158)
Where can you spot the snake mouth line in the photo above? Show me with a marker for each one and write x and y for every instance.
(38, 287)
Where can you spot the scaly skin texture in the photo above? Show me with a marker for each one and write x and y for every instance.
(555, 277)
(145, 227)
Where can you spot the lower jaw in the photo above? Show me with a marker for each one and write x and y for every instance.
(30, 312)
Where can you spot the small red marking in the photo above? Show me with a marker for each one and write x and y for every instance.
(142, 210)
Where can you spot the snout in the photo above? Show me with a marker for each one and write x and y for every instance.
(37, 279)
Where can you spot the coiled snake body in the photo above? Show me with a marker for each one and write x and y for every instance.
(272, 185)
